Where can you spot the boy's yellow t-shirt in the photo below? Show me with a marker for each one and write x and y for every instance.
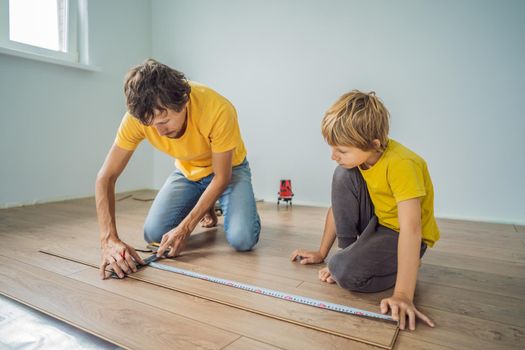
(400, 174)
(212, 127)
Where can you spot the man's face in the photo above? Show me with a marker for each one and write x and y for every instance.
(170, 123)
(348, 156)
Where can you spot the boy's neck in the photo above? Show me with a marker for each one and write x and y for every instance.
(371, 160)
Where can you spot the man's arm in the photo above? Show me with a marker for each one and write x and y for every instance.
(317, 257)
(408, 250)
(222, 168)
(115, 253)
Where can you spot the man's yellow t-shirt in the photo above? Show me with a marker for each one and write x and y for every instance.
(400, 174)
(212, 126)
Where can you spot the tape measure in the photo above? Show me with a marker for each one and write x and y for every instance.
(271, 293)
(147, 262)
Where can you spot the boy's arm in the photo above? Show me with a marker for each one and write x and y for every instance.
(408, 250)
(316, 257)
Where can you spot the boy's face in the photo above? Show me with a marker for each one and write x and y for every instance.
(170, 123)
(349, 157)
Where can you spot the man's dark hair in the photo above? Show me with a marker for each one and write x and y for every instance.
(154, 86)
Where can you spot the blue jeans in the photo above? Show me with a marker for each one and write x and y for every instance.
(178, 196)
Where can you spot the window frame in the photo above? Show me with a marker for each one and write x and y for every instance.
(77, 53)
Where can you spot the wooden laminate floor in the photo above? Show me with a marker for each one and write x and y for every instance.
(471, 284)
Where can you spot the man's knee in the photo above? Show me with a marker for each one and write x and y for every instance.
(153, 232)
(242, 238)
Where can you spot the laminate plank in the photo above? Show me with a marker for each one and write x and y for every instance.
(503, 244)
(252, 264)
(473, 303)
(369, 330)
(268, 258)
(25, 250)
(474, 225)
(249, 344)
(471, 283)
(479, 264)
(265, 329)
(122, 321)
(509, 254)
(410, 343)
(472, 280)
(464, 332)
(470, 235)
(464, 319)
(334, 293)
(264, 262)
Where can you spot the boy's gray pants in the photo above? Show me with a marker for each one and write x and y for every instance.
(367, 261)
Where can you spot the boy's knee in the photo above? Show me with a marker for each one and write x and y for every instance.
(337, 267)
(340, 174)
(348, 274)
(366, 283)
(353, 283)
(343, 176)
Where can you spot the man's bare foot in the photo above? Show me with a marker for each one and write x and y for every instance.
(325, 275)
(209, 219)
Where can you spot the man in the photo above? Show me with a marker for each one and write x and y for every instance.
(199, 128)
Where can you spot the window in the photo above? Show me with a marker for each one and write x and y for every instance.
(50, 30)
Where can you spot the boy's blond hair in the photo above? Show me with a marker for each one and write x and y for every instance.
(356, 119)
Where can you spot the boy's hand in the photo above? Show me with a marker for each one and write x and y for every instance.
(307, 257)
(402, 307)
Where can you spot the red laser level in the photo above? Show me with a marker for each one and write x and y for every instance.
(285, 192)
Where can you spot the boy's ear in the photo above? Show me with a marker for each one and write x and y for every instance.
(377, 144)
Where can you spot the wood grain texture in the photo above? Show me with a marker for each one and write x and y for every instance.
(25, 249)
(122, 321)
(465, 319)
(267, 330)
(485, 264)
(249, 344)
(471, 283)
(358, 328)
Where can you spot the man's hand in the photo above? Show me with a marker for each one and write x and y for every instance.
(173, 242)
(119, 257)
(402, 307)
(307, 257)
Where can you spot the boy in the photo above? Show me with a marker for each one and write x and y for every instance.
(382, 208)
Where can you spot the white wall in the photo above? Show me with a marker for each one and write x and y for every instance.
(57, 123)
(451, 72)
